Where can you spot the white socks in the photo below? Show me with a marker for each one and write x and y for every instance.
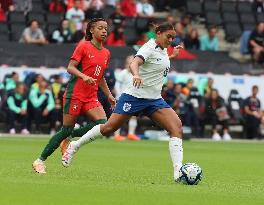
(176, 153)
(132, 125)
(90, 136)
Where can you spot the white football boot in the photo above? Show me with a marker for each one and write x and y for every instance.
(68, 154)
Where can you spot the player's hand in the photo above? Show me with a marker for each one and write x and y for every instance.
(23, 112)
(112, 101)
(176, 50)
(45, 112)
(89, 80)
(137, 81)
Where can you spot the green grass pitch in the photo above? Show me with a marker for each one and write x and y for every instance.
(109, 172)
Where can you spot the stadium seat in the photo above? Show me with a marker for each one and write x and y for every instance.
(16, 17)
(213, 18)
(229, 17)
(194, 7)
(210, 5)
(16, 31)
(142, 24)
(53, 18)
(232, 32)
(130, 22)
(130, 35)
(3, 28)
(260, 17)
(228, 6)
(4, 37)
(37, 16)
(247, 20)
(38, 7)
(244, 6)
(51, 28)
(248, 26)
(107, 11)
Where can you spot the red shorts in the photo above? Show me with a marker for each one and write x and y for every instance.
(77, 107)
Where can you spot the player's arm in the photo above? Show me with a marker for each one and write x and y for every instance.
(134, 69)
(73, 70)
(104, 87)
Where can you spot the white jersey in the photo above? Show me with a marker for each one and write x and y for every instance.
(155, 68)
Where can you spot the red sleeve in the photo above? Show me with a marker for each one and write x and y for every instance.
(78, 53)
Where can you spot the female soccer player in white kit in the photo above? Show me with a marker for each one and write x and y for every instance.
(149, 68)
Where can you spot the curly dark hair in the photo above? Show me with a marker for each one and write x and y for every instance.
(91, 23)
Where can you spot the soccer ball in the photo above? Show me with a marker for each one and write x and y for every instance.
(190, 174)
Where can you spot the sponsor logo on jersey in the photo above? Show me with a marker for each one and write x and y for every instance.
(126, 107)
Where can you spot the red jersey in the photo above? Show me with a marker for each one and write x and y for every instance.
(93, 63)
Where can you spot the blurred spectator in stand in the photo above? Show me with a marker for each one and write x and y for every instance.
(253, 114)
(94, 9)
(111, 2)
(7, 5)
(188, 87)
(145, 9)
(75, 15)
(178, 101)
(151, 32)
(117, 18)
(256, 43)
(216, 113)
(170, 94)
(258, 6)
(57, 88)
(41, 106)
(116, 37)
(17, 109)
(186, 24)
(179, 38)
(191, 41)
(170, 19)
(209, 42)
(70, 4)
(38, 79)
(142, 40)
(80, 34)
(22, 5)
(33, 34)
(57, 6)
(2, 14)
(209, 88)
(63, 34)
(95, 4)
(10, 82)
(129, 8)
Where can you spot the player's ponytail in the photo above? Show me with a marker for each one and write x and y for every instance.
(163, 27)
(88, 34)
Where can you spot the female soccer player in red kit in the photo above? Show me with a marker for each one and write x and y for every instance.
(87, 66)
